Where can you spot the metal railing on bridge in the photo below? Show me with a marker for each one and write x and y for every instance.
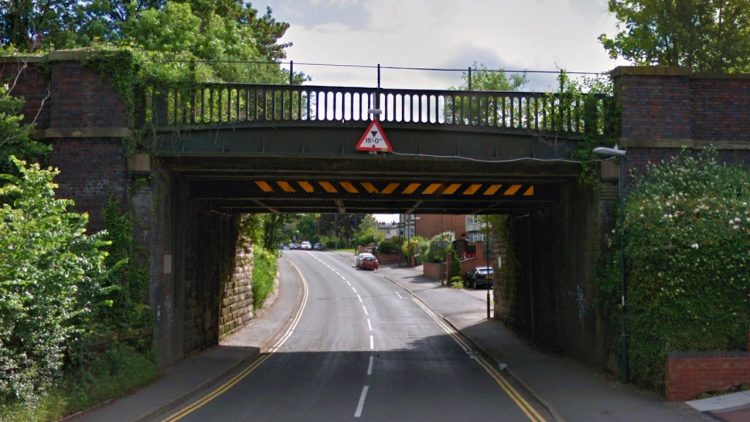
(217, 105)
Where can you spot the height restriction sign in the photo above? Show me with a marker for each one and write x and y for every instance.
(374, 139)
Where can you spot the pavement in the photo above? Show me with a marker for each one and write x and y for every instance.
(569, 389)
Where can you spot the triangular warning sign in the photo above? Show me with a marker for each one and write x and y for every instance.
(374, 139)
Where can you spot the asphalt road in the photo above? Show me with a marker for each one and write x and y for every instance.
(363, 349)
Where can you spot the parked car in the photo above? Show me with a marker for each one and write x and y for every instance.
(318, 247)
(293, 245)
(480, 277)
(367, 261)
(305, 245)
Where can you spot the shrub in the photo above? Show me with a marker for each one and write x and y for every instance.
(330, 242)
(264, 274)
(455, 269)
(687, 231)
(440, 244)
(457, 282)
(391, 246)
(51, 276)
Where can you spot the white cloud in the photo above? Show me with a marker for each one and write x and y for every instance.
(536, 34)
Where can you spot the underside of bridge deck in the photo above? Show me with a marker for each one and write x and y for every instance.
(371, 184)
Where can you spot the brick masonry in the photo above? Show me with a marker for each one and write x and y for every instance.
(91, 172)
(660, 104)
(690, 374)
(84, 98)
(28, 81)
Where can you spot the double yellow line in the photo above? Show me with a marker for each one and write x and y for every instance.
(514, 395)
(248, 370)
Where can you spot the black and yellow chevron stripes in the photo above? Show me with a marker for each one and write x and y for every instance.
(426, 189)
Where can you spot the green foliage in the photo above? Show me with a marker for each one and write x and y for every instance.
(598, 131)
(330, 242)
(120, 370)
(456, 282)
(367, 232)
(307, 227)
(51, 282)
(704, 35)
(462, 108)
(129, 317)
(15, 137)
(184, 29)
(415, 247)
(273, 224)
(455, 268)
(391, 246)
(687, 228)
(440, 244)
(484, 79)
(264, 274)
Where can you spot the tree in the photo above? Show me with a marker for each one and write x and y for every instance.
(464, 109)
(224, 32)
(51, 276)
(15, 137)
(367, 232)
(29, 25)
(484, 79)
(704, 35)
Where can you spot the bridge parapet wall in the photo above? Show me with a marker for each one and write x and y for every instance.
(671, 104)
(77, 109)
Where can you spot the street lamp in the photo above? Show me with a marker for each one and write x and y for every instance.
(611, 153)
(487, 261)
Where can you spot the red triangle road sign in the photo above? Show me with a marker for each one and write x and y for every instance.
(374, 139)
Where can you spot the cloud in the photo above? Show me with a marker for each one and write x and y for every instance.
(535, 35)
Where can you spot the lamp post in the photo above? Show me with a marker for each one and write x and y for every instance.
(487, 261)
(620, 153)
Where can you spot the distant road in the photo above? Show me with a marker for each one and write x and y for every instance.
(364, 350)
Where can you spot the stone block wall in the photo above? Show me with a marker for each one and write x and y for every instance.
(237, 291)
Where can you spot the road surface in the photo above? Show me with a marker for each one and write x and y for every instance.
(363, 349)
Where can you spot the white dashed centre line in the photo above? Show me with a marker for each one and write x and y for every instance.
(369, 366)
(365, 309)
(369, 324)
(399, 296)
(361, 403)
(372, 343)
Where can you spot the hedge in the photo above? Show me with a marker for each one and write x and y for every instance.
(687, 237)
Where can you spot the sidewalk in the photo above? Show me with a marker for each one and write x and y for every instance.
(570, 389)
(195, 375)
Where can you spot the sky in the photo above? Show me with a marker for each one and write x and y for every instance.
(510, 34)
(546, 35)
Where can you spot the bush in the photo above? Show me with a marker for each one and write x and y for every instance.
(455, 269)
(51, 276)
(330, 242)
(415, 247)
(457, 282)
(264, 274)
(391, 246)
(440, 244)
(687, 231)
